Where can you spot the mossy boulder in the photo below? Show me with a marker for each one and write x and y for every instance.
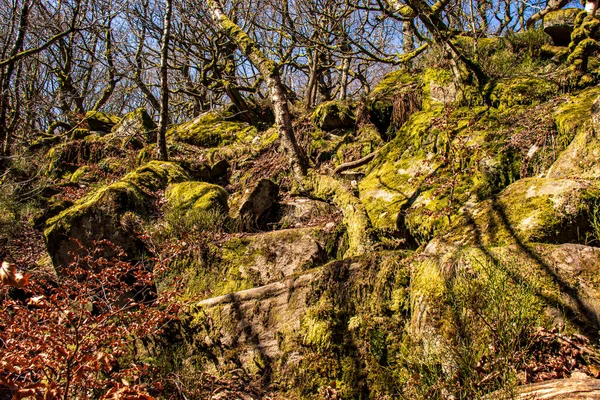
(441, 160)
(522, 91)
(212, 130)
(575, 120)
(53, 207)
(573, 114)
(69, 156)
(540, 210)
(101, 122)
(400, 90)
(254, 260)
(526, 287)
(439, 86)
(300, 328)
(257, 199)
(196, 195)
(559, 25)
(97, 216)
(136, 124)
(332, 115)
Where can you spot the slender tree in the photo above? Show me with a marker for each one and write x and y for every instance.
(270, 73)
(164, 83)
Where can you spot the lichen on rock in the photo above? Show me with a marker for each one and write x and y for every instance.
(97, 215)
(332, 115)
(212, 130)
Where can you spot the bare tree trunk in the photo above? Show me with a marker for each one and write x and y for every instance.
(164, 84)
(139, 58)
(112, 76)
(344, 79)
(552, 5)
(408, 35)
(6, 74)
(270, 73)
(311, 87)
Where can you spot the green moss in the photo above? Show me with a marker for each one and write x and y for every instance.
(530, 210)
(96, 216)
(572, 115)
(333, 115)
(212, 130)
(349, 147)
(198, 195)
(356, 219)
(562, 16)
(80, 173)
(392, 179)
(393, 82)
(99, 121)
(522, 91)
(392, 100)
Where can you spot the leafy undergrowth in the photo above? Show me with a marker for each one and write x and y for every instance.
(79, 334)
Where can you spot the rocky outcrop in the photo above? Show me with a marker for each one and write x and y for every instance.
(256, 200)
(529, 210)
(98, 216)
(212, 130)
(556, 389)
(332, 115)
(248, 261)
(559, 25)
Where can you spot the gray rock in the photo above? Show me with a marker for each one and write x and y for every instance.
(302, 212)
(219, 170)
(256, 201)
(580, 389)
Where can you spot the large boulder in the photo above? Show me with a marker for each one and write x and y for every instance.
(196, 196)
(212, 130)
(257, 199)
(69, 156)
(540, 210)
(98, 216)
(581, 159)
(559, 25)
(248, 261)
(135, 126)
(484, 297)
(101, 122)
(399, 90)
(332, 115)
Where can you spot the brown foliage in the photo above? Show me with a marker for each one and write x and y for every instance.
(75, 336)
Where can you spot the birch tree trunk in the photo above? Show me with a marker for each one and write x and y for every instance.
(164, 84)
(270, 73)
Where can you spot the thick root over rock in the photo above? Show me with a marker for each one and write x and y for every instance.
(355, 215)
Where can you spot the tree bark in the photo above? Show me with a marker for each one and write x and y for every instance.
(270, 73)
(552, 5)
(6, 73)
(164, 84)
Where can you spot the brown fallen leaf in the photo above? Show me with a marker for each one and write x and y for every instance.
(11, 277)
